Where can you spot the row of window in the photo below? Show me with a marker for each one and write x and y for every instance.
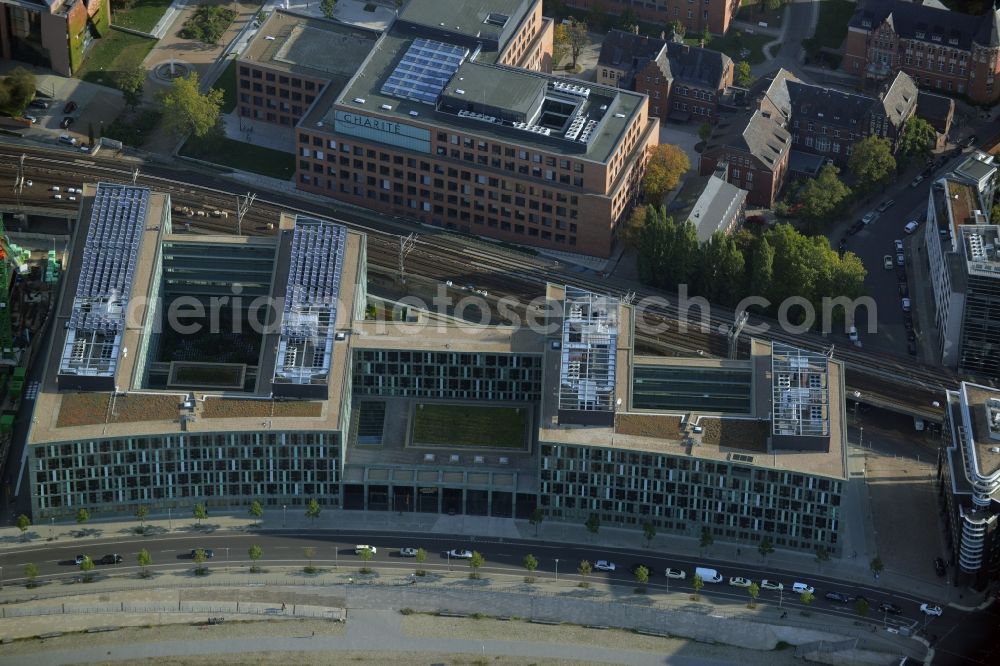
(478, 145)
(281, 93)
(271, 77)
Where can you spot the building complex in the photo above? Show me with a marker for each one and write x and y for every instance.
(696, 16)
(166, 387)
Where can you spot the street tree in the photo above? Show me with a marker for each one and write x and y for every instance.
(560, 44)
(664, 168)
(200, 557)
(627, 20)
(872, 163)
(641, 574)
(995, 213)
(823, 197)
(754, 592)
(131, 80)
(697, 583)
(649, 532)
(536, 518)
(23, 523)
(773, 5)
(706, 539)
(255, 552)
(530, 562)
(917, 139)
(862, 606)
(17, 90)
(87, 566)
(187, 111)
(141, 512)
(706, 37)
(82, 516)
(743, 76)
(720, 270)
(313, 510)
(31, 573)
(765, 548)
(822, 555)
(420, 558)
(806, 597)
(704, 131)
(366, 556)
(576, 35)
(877, 566)
(199, 512)
(256, 511)
(668, 252)
(310, 553)
(630, 231)
(676, 27)
(475, 562)
(328, 7)
(143, 559)
(593, 523)
(584, 569)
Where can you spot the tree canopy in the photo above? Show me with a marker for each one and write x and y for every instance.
(917, 139)
(186, 110)
(17, 90)
(872, 163)
(666, 164)
(824, 196)
(743, 77)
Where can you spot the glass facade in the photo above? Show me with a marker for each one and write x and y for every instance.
(182, 469)
(454, 375)
(683, 494)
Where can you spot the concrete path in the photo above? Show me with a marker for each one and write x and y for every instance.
(798, 24)
(168, 18)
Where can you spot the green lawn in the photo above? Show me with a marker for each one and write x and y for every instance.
(243, 156)
(113, 53)
(143, 16)
(470, 425)
(733, 43)
(833, 18)
(227, 84)
(751, 12)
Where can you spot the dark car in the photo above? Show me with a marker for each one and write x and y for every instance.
(70, 107)
(889, 607)
(839, 597)
(39, 104)
(928, 171)
(908, 324)
(635, 567)
(904, 290)
(939, 566)
(209, 553)
(911, 336)
(856, 227)
(114, 558)
(66, 122)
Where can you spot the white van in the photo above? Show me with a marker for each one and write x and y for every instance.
(361, 547)
(799, 588)
(708, 575)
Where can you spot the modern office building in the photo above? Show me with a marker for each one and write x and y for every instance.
(943, 50)
(696, 16)
(683, 82)
(969, 481)
(451, 121)
(964, 267)
(52, 34)
(288, 63)
(167, 387)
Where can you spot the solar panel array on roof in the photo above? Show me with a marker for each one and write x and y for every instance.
(424, 71)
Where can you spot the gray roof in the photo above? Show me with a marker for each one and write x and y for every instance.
(759, 134)
(709, 202)
(679, 62)
(935, 109)
(487, 19)
(777, 91)
(899, 99)
(804, 101)
(936, 24)
(495, 86)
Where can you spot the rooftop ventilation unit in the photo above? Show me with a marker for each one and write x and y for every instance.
(571, 89)
(387, 107)
(359, 100)
(414, 113)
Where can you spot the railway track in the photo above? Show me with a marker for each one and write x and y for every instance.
(881, 378)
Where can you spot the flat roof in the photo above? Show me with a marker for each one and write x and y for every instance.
(981, 407)
(981, 243)
(484, 81)
(589, 342)
(468, 17)
(318, 48)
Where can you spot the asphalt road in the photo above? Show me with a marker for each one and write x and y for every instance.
(56, 561)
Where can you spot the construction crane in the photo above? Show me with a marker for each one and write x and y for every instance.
(11, 256)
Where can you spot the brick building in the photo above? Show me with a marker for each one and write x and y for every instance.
(683, 82)
(445, 122)
(287, 65)
(755, 152)
(942, 50)
(54, 34)
(696, 15)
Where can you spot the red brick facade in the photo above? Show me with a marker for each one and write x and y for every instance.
(696, 15)
(680, 97)
(275, 96)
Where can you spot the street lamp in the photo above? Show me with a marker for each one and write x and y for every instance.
(284, 508)
(557, 569)
(52, 524)
(448, 555)
(170, 523)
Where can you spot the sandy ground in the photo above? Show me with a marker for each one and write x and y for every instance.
(386, 658)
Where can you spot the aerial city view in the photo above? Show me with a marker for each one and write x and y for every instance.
(500, 332)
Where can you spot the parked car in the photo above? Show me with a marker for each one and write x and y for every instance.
(79, 559)
(869, 217)
(905, 303)
(939, 567)
(904, 290)
(209, 553)
(885, 205)
(799, 588)
(604, 565)
(738, 581)
(70, 107)
(887, 262)
(67, 139)
(898, 244)
(361, 547)
(900, 259)
(916, 181)
(30, 118)
(114, 558)
(66, 122)
(38, 104)
(908, 323)
(839, 597)
(676, 574)
(460, 554)
(771, 585)
(911, 226)
(930, 610)
(889, 607)
(407, 552)
(856, 227)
